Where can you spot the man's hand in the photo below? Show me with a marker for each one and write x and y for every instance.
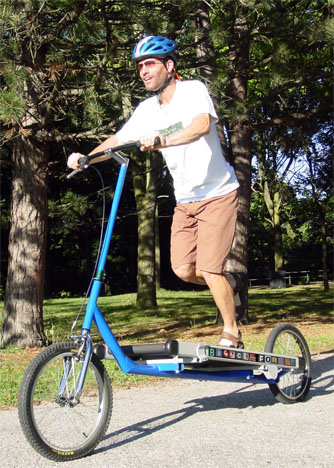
(73, 160)
(150, 143)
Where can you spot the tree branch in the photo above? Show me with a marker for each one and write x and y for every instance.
(96, 133)
(294, 118)
(286, 86)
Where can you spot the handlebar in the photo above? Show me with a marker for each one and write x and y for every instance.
(84, 162)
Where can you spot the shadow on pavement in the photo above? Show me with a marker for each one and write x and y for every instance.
(240, 399)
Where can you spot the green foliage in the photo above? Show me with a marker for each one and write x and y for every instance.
(66, 65)
(11, 107)
(12, 103)
(64, 294)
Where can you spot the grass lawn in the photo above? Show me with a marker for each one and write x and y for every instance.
(185, 315)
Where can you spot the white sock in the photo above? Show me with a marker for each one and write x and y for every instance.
(237, 299)
(225, 342)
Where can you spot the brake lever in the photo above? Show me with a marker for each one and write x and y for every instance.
(71, 174)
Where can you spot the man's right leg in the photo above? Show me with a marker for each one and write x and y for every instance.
(223, 295)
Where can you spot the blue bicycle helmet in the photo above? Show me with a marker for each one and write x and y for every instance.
(154, 46)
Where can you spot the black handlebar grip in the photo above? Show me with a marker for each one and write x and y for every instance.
(84, 162)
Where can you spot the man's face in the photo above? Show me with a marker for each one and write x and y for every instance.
(153, 72)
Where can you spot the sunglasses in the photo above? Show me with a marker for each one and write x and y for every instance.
(149, 64)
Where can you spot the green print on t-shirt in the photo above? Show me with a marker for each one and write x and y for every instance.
(170, 130)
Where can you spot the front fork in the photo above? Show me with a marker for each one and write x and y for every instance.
(83, 354)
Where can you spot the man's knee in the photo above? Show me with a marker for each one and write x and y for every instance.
(186, 272)
(189, 273)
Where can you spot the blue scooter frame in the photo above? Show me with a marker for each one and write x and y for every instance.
(239, 364)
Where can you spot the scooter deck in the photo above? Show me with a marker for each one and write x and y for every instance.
(202, 355)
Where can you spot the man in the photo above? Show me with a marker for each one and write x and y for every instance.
(206, 189)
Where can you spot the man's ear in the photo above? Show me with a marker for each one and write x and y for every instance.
(170, 65)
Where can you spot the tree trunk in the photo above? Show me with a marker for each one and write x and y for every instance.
(273, 204)
(145, 181)
(278, 242)
(240, 135)
(241, 148)
(157, 251)
(321, 218)
(324, 255)
(206, 56)
(23, 308)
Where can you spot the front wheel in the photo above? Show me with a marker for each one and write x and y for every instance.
(293, 384)
(56, 426)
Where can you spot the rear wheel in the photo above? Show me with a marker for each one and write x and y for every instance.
(293, 384)
(58, 427)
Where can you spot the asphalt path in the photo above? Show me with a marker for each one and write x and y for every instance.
(178, 423)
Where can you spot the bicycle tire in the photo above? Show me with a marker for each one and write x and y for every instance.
(293, 385)
(55, 427)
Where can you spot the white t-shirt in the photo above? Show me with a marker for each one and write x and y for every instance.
(199, 169)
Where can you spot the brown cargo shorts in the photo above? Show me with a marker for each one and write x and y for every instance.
(202, 232)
